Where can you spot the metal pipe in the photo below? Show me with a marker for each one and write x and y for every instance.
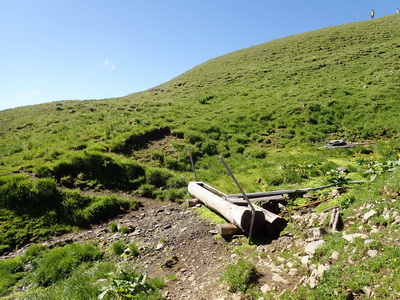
(192, 163)
(253, 211)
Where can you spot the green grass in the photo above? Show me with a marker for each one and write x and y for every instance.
(56, 265)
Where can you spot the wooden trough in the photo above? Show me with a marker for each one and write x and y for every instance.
(235, 212)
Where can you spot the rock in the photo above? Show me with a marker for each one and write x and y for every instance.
(160, 246)
(312, 282)
(280, 259)
(278, 278)
(374, 230)
(321, 270)
(335, 255)
(293, 272)
(335, 192)
(353, 236)
(315, 233)
(313, 246)
(368, 291)
(290, 264)
(372, 253)
(266, 288)
(281, 206)
(367, 242)
(342, 170)
(305, 260)
(369, 214)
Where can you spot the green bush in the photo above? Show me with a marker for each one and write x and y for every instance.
(134, 249)
(174, 195)
(83, 283)
(130, 285)
(103, 208)
(21, 192)
(158, 177)
(86, 168)
(118, 247)
(240, 276)
(85, 210)
(113, 227)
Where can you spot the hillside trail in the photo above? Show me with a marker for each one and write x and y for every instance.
(174, 243)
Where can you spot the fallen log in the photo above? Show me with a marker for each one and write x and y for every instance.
(227, 229)
(274, 223)
(240, 216)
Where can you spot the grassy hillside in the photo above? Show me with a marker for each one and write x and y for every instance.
(267, 109)
(337, 82)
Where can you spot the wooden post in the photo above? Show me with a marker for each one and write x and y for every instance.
(192, 163)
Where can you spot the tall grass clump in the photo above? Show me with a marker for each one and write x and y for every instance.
(10, 272)
(56, 264)
(240, 276)
(21, 192)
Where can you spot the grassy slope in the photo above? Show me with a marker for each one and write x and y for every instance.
(337, 82)
(340, 81)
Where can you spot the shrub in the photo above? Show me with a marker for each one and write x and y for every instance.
(118, 247)
(148, 190)
(174, 195)
(89, 168)
(209, 147)
(43, 171)
(113, 227)
(130, 285)
(240, 276)
(20, 192)
(134, 249)
(102, 208)
(158, 177)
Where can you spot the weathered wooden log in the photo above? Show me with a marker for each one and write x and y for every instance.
(274, 223)
(192, 202)
(239, 216)
(227, 229)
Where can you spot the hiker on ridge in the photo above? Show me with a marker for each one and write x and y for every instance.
(372, 14)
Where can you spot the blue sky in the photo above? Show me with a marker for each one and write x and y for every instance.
(94, 49)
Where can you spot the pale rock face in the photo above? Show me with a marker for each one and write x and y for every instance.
(313, 246)
(335, 255)
(353, 236)
(369, 214)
